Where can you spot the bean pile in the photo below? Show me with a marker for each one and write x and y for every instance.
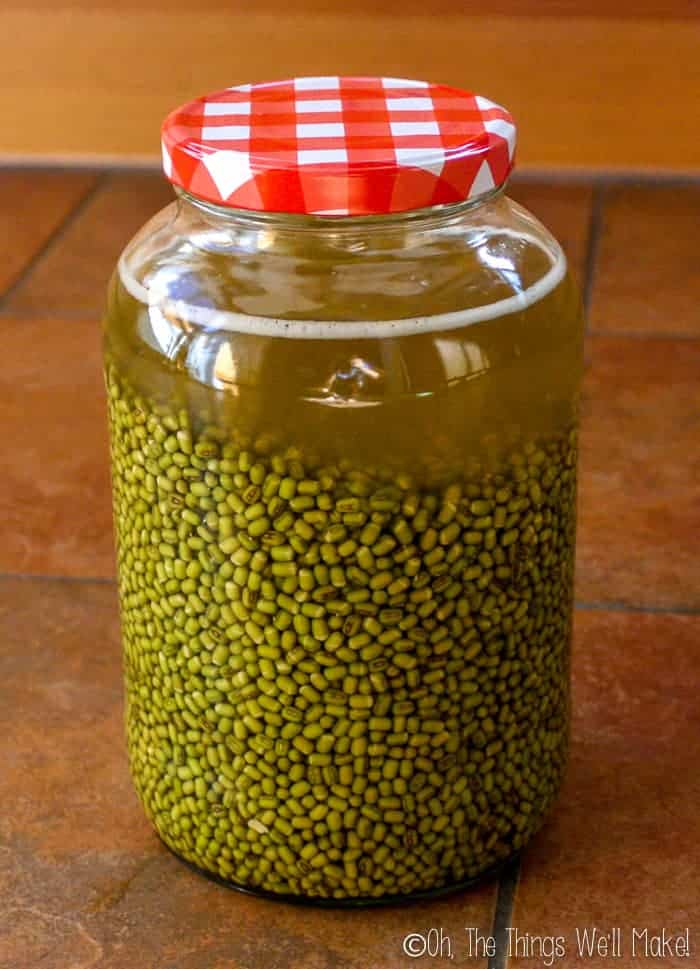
(339, 684)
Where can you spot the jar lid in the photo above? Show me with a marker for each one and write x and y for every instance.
(338, 146)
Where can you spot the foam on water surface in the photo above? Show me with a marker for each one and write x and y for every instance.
(212, 319)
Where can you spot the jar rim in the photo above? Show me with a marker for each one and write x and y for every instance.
(313, 221)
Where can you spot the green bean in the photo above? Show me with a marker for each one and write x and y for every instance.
(341, 682)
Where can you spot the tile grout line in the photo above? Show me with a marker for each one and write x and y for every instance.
(595, 231)
(101, 178)
(616, 606)
(605, 177)
(641, 335)
(503, 914)
(583, 605)
(111, 165)
(77, 579)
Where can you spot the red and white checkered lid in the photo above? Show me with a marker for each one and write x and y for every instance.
(338, 146)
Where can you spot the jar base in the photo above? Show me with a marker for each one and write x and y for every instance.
(355, 902)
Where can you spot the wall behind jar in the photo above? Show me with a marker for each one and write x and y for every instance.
(593, 84)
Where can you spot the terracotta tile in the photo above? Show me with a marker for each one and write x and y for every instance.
(622, 848)
(646, 278)
(33, 204)
(71, 279)
(565, 208)
(83, 878)
(639, 513)
(55, 504)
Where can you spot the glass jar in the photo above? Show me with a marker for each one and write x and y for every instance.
(344, 476)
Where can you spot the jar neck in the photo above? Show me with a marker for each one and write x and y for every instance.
(425, 218)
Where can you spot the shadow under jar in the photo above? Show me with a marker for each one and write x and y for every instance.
(342, 372)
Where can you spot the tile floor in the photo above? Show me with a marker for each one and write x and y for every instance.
(83, 881)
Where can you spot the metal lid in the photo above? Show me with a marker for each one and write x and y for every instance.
(338, 146)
